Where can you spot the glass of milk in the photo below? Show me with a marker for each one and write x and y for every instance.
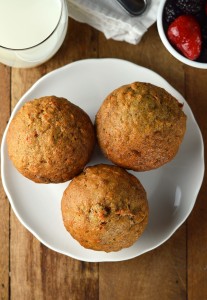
(31, 31)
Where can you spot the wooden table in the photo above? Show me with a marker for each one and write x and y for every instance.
(175, 270)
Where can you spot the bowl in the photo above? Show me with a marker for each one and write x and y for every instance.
(167, 44)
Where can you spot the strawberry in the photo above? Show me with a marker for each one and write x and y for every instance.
(185, 34)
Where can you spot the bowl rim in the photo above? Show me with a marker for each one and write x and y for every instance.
(167, 44)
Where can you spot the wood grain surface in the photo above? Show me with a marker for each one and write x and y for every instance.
(177, 269)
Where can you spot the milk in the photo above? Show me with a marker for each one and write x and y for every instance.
(31, 31)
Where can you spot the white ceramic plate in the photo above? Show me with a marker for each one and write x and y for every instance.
(171, 189)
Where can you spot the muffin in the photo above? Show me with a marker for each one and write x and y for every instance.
(50, 140)
(140, 126)
(105, 208)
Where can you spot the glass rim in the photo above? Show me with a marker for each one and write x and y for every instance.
(34, 46)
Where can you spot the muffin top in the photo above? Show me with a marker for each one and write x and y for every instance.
(50, 139)
(105, 208)
(140, 126)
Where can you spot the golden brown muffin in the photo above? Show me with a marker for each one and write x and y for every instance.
(50, 140)
(140, 126)
(105, 208)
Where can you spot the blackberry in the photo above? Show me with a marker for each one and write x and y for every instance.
(190, 7)
(204, 34)
(200, 17)
(203, 55)
(171, 12)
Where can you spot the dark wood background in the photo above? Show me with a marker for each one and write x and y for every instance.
(175, 270)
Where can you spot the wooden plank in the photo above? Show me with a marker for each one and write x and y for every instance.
(70, 279)
(4, 204)
(160, 274)
(36, 271)
(196, 91)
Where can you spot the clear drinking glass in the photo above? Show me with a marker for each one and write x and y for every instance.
(31, 31)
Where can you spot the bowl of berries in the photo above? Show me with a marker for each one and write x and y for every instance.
(182, 26)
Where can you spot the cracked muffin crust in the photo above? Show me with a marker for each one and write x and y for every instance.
(140, 126)
(50, 140)
(105, 208)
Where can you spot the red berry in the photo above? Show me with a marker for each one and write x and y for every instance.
(185, 34)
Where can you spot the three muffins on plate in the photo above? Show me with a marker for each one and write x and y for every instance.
(138, 127)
